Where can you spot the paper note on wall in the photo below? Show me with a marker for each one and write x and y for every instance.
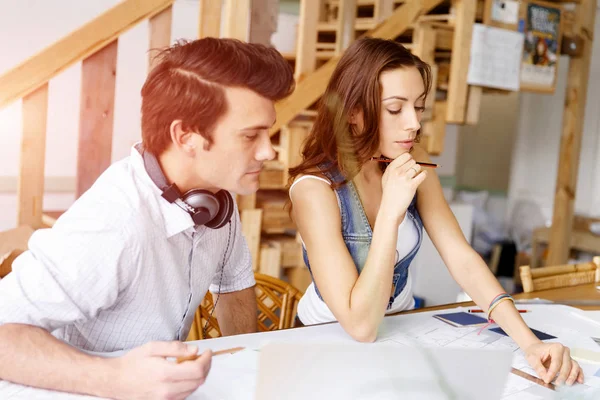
(495, 58)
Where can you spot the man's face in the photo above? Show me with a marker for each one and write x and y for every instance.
(240, 143)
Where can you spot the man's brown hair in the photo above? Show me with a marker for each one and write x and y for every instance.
(188, 84)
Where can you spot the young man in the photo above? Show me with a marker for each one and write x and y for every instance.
(128, 264)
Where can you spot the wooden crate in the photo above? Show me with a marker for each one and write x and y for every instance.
(276, 218)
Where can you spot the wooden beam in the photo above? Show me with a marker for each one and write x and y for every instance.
(474, 105)
(251, 226)
(459, 63)
(382, 9)
(312, 87)
(160, 34)
(570, 141)
(263, 21)
(306, 50)
(237, 19)
(96, 116)
(435, 130)
(78, 45)
(344, 32)
(424, 43)
(247, 202)
(30, 190)
(210, 19)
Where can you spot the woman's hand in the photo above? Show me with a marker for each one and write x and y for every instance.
(400, 181)
(550, 359)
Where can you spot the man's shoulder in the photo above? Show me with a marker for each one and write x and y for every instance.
(117, 199)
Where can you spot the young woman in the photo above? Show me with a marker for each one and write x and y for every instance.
(361, 220)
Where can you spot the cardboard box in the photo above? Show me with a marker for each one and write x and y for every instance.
(12, 243)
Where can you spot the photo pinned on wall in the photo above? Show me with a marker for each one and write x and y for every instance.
(541, 26)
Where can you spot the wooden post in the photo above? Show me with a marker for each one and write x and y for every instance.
(424, 42)
(459, 63)
(210, 19)
(96, 116)
(251, 226)
(570, 141)
(237, 19)
(383, 9)
(30, 192)
(435, 130)
(263, 21)
(160, 34)
(306, 49)
(344, 32)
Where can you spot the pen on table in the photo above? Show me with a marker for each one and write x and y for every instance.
(388, 160)
(481, 311)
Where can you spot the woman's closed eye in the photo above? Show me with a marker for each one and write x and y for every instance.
(394, 112)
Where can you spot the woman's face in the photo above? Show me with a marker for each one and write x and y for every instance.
(402, 106)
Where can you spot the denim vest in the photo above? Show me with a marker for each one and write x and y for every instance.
(357, 233)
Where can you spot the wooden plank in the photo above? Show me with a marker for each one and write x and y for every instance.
(424, 43)
(210, 19)
(96, 116)
(444, 39)
(474, 105)
(251, 225)
(247, 202)
(435, 130)
(30, 190)
(344, 33)
(237, 19)
(263, 21)
(306, 57)
(160, 34)
(459, 63)
(382, 9)
(78, 45)
(570, 141)
(312, 87)
(270, 260)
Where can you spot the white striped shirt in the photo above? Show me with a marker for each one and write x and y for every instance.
(122, 266)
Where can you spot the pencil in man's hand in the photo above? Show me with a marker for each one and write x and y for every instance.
(216, 353)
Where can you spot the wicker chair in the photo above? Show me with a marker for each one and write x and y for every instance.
(559, 276)
(277, 305)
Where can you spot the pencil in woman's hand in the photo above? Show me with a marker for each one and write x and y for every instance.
(389, 160)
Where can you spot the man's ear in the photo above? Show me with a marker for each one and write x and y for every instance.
(186, 141)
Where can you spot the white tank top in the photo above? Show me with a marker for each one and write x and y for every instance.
(312, 310)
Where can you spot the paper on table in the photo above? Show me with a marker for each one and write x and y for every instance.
(231, 377)
(379, 371)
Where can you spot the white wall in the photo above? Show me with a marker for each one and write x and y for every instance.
(536, 152)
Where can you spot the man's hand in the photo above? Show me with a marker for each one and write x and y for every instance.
(145, 373)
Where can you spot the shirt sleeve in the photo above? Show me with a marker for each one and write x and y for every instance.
(69, 274)
(237, 273)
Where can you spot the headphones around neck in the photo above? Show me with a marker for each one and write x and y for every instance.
(211, 210)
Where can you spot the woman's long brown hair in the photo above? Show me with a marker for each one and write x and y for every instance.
(354, 85)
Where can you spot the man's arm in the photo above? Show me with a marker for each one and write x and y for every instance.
(237, 312)
(31, 356)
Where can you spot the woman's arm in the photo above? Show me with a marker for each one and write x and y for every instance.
(472, 274)
(357, 302)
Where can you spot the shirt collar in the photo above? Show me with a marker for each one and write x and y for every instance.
(174, 219)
